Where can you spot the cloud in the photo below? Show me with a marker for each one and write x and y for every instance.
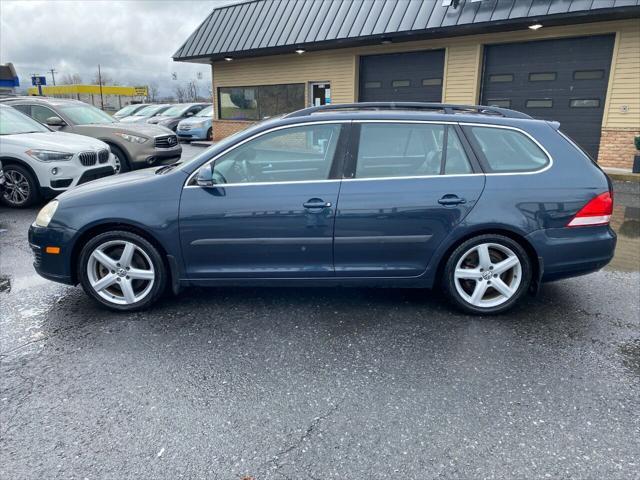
(133, 40)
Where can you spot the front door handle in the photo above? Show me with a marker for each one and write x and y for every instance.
(316, 203)
(451, 199)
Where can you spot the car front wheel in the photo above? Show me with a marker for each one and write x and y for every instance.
(487, 274)
(122, 271)
(122, 164)
(20, 189)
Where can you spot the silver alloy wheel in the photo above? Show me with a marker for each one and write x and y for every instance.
(17, 188)
(118, 166)
(488, 275)
(120, 272)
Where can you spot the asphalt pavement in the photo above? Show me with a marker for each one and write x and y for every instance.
(321, 383)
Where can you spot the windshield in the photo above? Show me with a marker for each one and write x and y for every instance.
(175, 111)
(127, 110)
(152, 110)
(13, 122)
(206, 112)
(86, 115)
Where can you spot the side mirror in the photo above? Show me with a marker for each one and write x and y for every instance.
(189, 114)
(205, 176)
(55, 122)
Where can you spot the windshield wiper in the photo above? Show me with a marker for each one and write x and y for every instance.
(167, 168)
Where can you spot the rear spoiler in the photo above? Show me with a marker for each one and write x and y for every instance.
(553, 124)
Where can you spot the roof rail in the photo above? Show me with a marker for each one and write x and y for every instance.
(443, 107)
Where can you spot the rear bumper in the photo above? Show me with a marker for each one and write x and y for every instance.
(570, 252)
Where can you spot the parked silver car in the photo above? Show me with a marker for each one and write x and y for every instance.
(134, 145)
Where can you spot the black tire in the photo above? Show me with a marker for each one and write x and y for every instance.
(121, 159)
(13, 198)
(449, 281)
(210, 134)
(160, 271)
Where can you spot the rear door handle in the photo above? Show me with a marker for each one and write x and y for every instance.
(451, 199)
(316, 203)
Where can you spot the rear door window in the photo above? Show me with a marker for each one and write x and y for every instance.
(409, 150)
(506, 150)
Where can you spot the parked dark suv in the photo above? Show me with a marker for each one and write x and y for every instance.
(485, 202)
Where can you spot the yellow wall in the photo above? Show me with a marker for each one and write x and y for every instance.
(462, 66)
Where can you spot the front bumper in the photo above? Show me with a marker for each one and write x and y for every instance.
(52, 267)
(151, 156)
(570, 252)
(193, 133)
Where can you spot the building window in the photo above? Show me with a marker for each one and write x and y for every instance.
(372, 84)
(256, 103)
(431, 82)
(540, 103)
(401, 83)
(501, 78)
(584, 103)
(588, 74)
(542, 77)
(499, 102)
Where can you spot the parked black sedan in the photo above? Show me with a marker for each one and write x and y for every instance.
(172, 116)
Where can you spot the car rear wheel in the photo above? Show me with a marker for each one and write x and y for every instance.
(21, 189)
(122, 164)
(122, 271)
(487, 274)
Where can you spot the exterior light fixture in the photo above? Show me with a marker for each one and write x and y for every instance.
(228, 59)
(535, 26)
(300, 51)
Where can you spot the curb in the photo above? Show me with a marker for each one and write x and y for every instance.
(624, 177)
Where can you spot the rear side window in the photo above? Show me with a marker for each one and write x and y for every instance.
(506, 150)
(409, 150)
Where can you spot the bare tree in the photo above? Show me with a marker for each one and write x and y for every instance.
(106, 79)
(152, 92)
(192, 91)
(69, 79)
(180, 93)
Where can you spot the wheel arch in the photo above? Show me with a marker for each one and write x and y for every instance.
(5, 160)
(97, 229)
(520, 238)
(109, 141)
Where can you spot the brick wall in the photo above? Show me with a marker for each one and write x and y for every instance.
(617, 148)
(224, 128)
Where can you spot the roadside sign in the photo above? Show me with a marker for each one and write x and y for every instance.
(141, 91)
(37, 81)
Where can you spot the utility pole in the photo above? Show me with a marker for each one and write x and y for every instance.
(53, 75)
(100, 82)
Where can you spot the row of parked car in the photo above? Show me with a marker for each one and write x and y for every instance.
(191, 121)
(48, 145)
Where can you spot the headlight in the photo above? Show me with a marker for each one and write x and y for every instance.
(199, 124)
(46, 214)
(132, 138)
(49, 155)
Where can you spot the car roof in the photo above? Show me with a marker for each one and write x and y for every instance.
(44, 100)
(409, 111)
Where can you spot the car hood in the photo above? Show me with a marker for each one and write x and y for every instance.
(194, 119)
(111, 183)
(144, 129)
(57, 141)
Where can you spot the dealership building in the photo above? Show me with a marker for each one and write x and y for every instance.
(573, 61)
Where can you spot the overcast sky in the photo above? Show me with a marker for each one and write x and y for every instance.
(132, 40)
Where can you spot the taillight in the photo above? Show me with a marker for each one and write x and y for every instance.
(596, 212)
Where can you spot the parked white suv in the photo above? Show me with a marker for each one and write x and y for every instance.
(41, 163)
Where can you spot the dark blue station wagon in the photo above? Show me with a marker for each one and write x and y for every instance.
(484, 202)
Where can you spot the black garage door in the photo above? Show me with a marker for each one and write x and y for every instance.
(402, 77)
(562, 80)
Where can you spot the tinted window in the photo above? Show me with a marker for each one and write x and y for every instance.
(540, 103)
(586, 103)
(588, 74)
(255, 103)
(409, 150)
(41, 113)
(430, 82)
(372, 84)
(508, 150)
(291, 154)
(542, 77)
(499, 102)
(401, 83)
(26, 109)
(501, 77)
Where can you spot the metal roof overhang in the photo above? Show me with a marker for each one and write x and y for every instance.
(569, 18)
